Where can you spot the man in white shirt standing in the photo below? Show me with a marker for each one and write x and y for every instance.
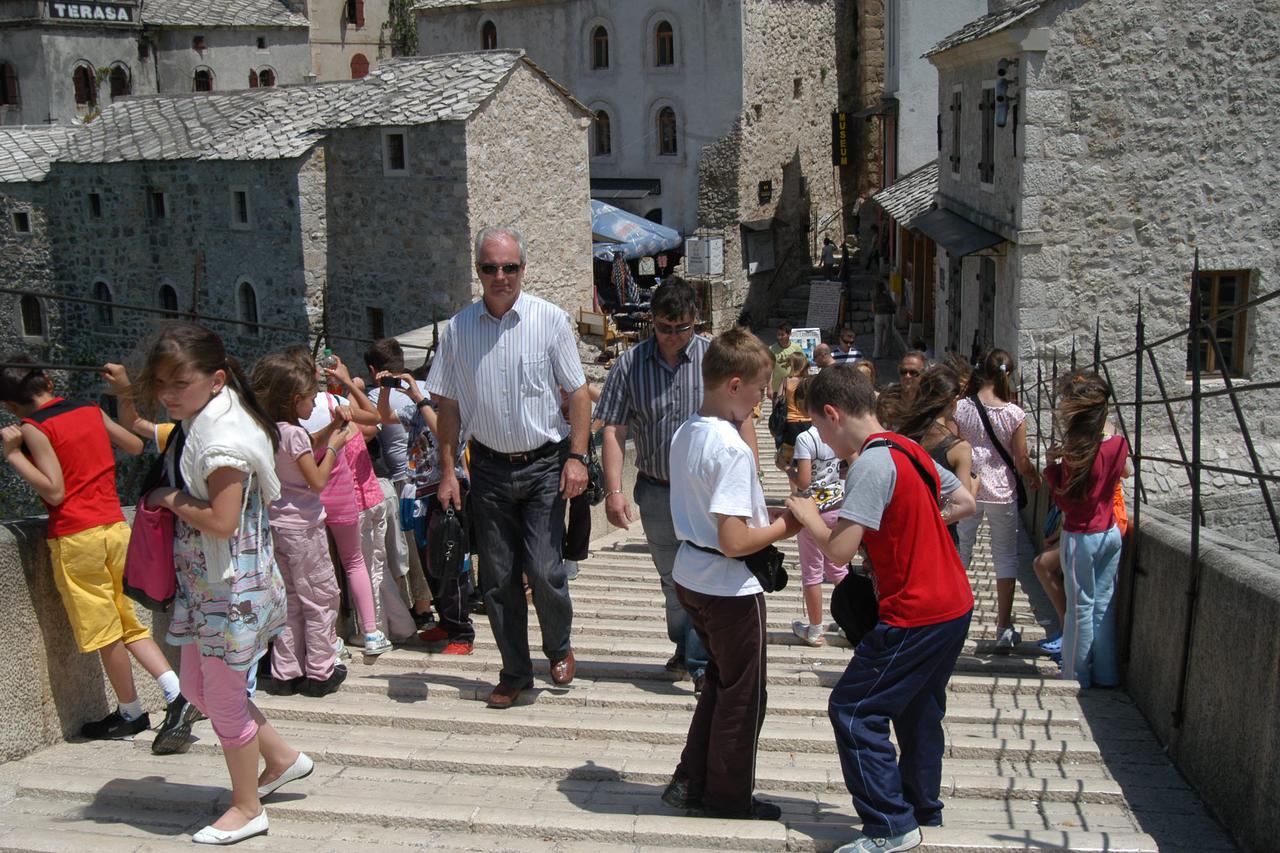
(497, 376)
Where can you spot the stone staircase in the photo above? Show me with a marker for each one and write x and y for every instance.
(408, 757)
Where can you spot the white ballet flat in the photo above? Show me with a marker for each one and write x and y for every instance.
(299, 769)
(210, 835)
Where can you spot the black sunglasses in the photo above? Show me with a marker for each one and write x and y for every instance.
(492, 269)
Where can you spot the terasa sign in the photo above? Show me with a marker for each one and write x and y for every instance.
(90, 12)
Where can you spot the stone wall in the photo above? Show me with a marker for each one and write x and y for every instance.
(24, 258)
(230, 53)
(1228, 744)
(396, 243)
(869, 77)
(60, 49)
(539, 182)
(335, 40)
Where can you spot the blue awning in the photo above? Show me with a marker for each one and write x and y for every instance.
(614, 230)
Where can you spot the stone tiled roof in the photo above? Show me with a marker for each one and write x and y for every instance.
(911, 195)
(264, 124)
(430, 5)
(988, 24)
(221, 13)
(26, 153)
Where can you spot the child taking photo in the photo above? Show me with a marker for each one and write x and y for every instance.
(230, 597)
(1084, 471)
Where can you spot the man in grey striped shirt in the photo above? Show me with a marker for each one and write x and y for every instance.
(652, 389)
(496, 379)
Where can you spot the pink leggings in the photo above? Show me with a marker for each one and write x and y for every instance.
(359, 587)
(815, 565)
(221, 694)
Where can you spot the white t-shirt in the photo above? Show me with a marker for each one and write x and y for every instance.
(825, 484)
(322, 414)
(712, 473)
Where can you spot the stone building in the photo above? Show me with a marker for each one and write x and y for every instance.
(711, 116)
(1130, 135)
(347, 207)
(348, 37)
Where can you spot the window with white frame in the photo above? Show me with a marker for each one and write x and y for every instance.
(395, 152)
(240, 208)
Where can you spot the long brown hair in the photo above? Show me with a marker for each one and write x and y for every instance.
(996, 367)
(1082, 414)
(937, 390)
(179, 346)
(279, 380)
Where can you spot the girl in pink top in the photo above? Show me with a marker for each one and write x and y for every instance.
(1084, 472)
(990, 387)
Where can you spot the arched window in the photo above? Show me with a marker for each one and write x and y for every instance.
(604, 135)
(248, 302)
(253, 79)
(106, 314)
(664, 44)
(85, 85)
(359, 66)
(167, 299)
(32, 317)
(202, 80)
(119, 80)
(600, 48)
(8, 85)
(489, 36)
(354, 13)
(667, 131)
(266, 78)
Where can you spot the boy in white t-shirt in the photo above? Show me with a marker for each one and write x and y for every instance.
(718, 511)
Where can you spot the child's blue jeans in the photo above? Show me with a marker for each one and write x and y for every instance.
(1090, 562)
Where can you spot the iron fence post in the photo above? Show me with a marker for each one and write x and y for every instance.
(1193, 582)
(1135, 529)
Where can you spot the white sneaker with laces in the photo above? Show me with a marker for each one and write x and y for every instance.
(1007, 640)
(375, 643)
(893, 844)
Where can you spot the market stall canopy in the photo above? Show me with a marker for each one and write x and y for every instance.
(614, 230)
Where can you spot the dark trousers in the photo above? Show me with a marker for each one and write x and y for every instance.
(448, 596)
(719, 757)
(899, 676)
(519, 525)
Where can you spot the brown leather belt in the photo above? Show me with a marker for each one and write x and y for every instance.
(551, 448)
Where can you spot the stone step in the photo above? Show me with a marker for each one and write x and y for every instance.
(779, 733)
(326, 810)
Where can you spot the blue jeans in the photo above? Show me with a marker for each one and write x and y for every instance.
(1090, 562)
(899, 676)
(518, 517)
(654, 501)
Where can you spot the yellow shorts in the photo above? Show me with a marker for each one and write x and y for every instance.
(88, 568)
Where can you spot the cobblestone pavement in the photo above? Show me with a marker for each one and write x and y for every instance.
(408, 757)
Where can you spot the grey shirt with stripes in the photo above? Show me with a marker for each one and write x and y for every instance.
(505, 373)
(652, 399)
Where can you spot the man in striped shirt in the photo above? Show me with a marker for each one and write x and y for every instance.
(496, 379)
(652, 389)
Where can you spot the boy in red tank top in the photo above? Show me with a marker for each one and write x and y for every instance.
(900, 669)
(63, 450)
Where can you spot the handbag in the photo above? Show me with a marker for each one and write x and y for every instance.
(778, 418)
(1004, 454)
(149, 574)
(855, 605)
(447, 544)
(766, 565)
(594, 492)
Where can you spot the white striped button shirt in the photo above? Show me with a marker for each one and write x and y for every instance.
(506, 373)
(652, 399)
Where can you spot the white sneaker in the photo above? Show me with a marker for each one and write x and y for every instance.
(1007, 640)
(893, 844)
(210, 835)
(375, 643)
(810, 634)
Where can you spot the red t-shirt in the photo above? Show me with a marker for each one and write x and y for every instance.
(1095, 512)
(918, 573)
(80, 441)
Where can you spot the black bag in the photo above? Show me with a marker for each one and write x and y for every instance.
(766, 564)
(594, 492)
(447, 544)
(854, 606)
(1004, 454)
(778, 417)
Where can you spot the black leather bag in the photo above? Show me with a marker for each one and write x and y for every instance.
(447, 544)
(594, 492)
(854, 606)
(778, 417)
(766, 565)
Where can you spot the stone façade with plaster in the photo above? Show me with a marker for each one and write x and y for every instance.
(336, 41)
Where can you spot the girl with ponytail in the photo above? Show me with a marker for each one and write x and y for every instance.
(926, 421)
(230, 602)
(1085, 469)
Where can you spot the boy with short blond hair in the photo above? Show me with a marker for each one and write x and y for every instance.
(718, 511)
(63, 450)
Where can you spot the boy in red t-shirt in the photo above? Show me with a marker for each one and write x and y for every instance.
(900, 670)
(63, 451)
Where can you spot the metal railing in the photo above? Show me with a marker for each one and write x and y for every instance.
(1040, 400)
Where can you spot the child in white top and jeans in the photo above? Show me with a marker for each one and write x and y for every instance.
(718, 511)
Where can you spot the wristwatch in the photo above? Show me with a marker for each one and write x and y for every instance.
(581, 457)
